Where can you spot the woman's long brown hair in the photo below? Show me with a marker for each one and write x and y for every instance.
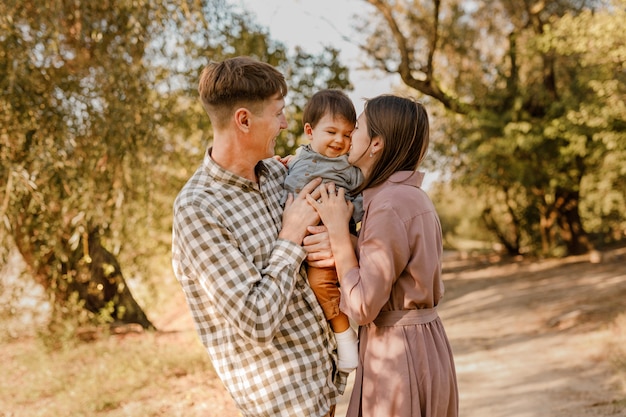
(402, 125)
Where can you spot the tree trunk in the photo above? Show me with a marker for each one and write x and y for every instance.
(549, 217)
(512, 247)
(93, 273)
(570, 225)
(101, 285)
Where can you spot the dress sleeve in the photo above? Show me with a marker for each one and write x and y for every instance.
(252, 301)
(383, 254)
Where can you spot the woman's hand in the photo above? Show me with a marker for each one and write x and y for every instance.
(335, 213)
(332, 207)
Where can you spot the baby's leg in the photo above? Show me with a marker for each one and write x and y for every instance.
(323, 281)
(339, 323)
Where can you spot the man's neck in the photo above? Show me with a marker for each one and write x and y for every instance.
(233, 158)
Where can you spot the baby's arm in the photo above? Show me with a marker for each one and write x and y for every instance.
(284, 160)
(287, 159)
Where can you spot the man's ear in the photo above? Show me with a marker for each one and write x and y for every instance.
(242, 118)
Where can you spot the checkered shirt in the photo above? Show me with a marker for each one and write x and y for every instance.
(247, 290)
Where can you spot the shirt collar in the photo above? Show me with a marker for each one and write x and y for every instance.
(215, 171)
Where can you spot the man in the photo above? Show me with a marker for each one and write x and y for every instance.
(239, 257)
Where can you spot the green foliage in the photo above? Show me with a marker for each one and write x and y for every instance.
(100, 125)
(307, 74)
(593, 121)
(458, 210)
(79, 136)
(534, 109)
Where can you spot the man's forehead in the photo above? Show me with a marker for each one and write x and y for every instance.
(278, 101)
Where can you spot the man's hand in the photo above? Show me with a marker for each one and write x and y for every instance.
(299, 214)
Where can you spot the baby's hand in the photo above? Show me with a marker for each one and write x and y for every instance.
(284, 160)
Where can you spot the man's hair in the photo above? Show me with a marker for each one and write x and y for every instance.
(334, 102)
(237, 81)
(402, 124)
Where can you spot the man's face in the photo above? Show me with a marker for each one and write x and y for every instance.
(267, 124)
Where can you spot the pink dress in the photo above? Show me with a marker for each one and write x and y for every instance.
(406, 368)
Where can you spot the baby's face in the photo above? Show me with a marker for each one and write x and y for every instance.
(331, 136)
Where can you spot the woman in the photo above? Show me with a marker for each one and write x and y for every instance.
(392, 284)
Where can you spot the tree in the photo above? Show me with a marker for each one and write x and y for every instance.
(512, 91)
(595, 119)
(74, 121)
(99, 127)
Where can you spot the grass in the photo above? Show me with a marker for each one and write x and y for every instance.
(85, 379)
(142, 374)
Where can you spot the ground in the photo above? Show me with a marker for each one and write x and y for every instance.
(530, 338)
(539, 338)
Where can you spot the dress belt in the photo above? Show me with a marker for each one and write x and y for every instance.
(406, 317)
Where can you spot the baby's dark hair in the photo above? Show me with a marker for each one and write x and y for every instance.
(332, 101)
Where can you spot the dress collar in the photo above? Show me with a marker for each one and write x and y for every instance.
(411, 178)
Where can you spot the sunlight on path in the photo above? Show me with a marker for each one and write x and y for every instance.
(529, 342)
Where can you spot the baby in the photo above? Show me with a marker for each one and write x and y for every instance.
(329, 118)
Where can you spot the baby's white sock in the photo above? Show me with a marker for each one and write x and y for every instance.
(347, 350)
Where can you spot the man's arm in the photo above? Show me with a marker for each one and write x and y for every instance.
(252, 301)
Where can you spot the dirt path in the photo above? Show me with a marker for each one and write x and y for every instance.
(534, 339)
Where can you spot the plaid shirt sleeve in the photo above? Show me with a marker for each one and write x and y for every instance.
(251, 302)
(247, 291)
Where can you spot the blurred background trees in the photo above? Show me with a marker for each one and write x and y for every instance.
(531, 118)
(100, 126)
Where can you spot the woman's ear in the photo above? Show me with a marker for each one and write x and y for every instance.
(376, 145)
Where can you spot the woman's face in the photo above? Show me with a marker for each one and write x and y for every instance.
(359, 149)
